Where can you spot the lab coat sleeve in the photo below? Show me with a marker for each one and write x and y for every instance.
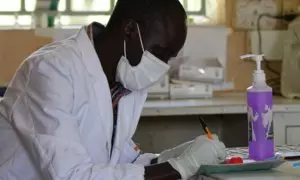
(42, 117)
(145, 159)
(133, 154)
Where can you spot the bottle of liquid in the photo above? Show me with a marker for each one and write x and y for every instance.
(260, 116)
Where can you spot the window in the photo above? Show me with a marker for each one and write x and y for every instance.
(74, 12)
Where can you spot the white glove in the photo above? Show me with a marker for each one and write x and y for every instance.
(173, 153)
(202, 151)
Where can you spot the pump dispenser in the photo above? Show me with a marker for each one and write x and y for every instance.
(260, 115)
(259, 76)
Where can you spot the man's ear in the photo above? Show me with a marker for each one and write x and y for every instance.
(130, 29)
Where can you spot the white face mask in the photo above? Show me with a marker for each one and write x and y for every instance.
(148, 72)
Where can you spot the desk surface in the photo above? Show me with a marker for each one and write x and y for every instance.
(229, 104)
(258, 175)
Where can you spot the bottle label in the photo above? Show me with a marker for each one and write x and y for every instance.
(260, 116)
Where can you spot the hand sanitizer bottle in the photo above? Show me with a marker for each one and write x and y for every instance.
(260, 116)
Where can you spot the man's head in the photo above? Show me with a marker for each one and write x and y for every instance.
(162, 24)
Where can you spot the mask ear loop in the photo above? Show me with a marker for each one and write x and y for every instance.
(140, 36)
(141, 41)
(125, 54)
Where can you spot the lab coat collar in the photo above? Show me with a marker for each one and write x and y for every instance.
(94, 68)
(130, 106)
(88, 52)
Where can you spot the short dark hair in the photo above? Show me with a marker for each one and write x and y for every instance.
(147, 12)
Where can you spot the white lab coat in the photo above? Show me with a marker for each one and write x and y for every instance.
(56, 119)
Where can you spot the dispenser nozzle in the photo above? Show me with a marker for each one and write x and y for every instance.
(255, 57)
(258, 75)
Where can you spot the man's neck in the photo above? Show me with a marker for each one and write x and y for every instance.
(109, 53)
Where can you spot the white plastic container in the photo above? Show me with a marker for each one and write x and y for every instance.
(160, 90)
(190, 91)
(290, 84)
(207, 70)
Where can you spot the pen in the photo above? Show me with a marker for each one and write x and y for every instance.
(205, 128)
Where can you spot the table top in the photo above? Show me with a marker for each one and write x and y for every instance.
(226, 104)
(258, 175)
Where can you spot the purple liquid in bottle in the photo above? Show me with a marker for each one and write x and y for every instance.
(260, 118)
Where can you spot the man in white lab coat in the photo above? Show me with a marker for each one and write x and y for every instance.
(73, 106)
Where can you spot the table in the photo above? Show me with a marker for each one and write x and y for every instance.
(260, 175)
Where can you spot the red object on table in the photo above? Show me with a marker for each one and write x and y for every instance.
(234, 160)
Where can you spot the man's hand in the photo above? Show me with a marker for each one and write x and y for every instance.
(173, 153)
(202, 151)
